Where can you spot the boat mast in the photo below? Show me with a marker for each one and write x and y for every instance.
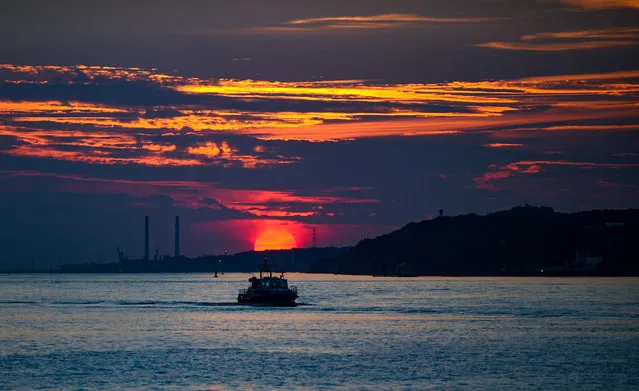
(265, 268)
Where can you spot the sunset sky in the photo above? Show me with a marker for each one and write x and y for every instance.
(251, 118)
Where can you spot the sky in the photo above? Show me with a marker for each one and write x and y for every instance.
(262, 124)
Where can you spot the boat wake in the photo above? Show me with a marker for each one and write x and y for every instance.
(130, 303)
(121, 303)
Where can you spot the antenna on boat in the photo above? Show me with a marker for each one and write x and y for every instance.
(266, 268)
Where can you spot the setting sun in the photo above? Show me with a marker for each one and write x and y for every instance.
(275, 239)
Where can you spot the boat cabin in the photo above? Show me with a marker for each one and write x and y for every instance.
(268, 283)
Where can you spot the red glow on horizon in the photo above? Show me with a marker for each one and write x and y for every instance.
(243, 235)
(258, 234)
(275, 239)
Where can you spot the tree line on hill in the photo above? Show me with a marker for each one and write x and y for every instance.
(524, 240)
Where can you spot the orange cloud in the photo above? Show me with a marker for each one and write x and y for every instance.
(207, 149)
(581, 128)
(534, 167)
(503, 145)
(243, 122)
(534, 131)
(54, 107)
(436, 126)
(556, 46)
(265, 211)
(602, 4)
(611, 33)
(224, 152)
(388, 109)
(386, 18)
(597, 105)
(98, 157)
(77, 138)
(338, 91)
(484, 181)
(240, 197)
(571, 40)
(159, 147)
(98, 147)
(384, 21)
(78, 74)
(503, 94)
(616, 75)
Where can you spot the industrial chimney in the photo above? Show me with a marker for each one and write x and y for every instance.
(177, 237)
(146, 238)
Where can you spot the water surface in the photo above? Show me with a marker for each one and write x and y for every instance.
(184, 331)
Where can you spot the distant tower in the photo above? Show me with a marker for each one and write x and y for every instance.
(177, 236)
(314, 238)
(146, 238)
(441, 212)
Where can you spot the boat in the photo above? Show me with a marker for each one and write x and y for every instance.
(268, 290)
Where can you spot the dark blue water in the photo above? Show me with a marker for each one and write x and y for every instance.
(184, 331)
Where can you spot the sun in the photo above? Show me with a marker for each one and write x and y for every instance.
(275, 239)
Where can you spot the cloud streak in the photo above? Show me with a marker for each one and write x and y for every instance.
(246, 203)
(601, 4)
(370, 22)
(570, 40)
(486, 181)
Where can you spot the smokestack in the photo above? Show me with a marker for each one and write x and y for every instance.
(146, 238)
(177, 236)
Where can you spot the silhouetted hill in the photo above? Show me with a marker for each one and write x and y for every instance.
(520, 241)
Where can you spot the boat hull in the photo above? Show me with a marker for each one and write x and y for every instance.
(272, 299)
